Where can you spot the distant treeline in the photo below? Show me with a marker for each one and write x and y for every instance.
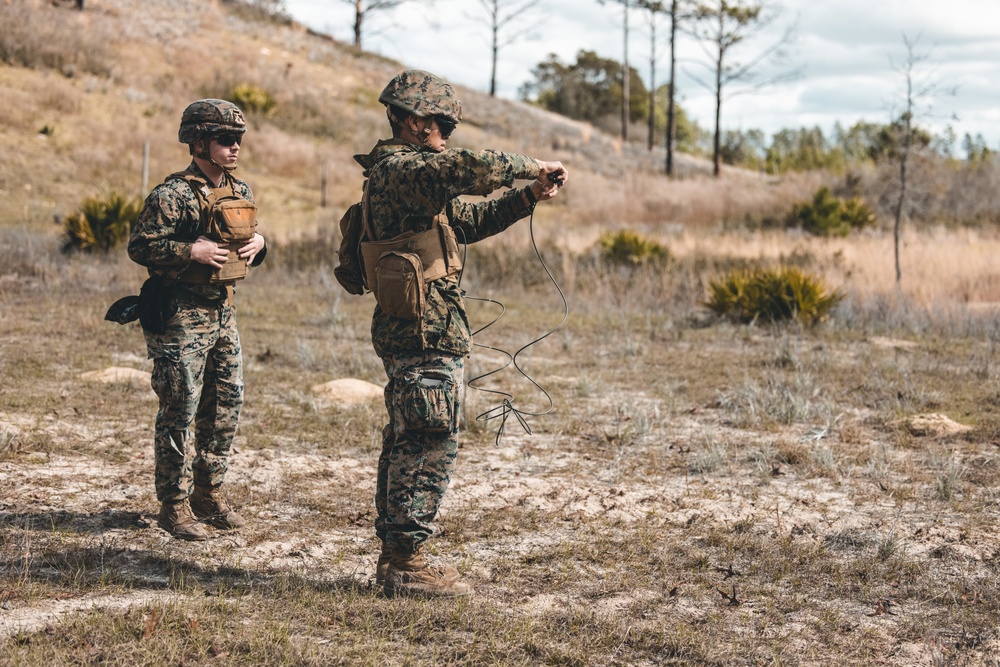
(590, 90)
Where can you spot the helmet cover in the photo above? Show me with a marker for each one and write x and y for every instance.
(422, 94)
(208, 118)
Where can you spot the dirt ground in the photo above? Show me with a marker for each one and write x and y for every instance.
(83, 501)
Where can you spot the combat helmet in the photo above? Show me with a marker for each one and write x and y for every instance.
(422, 94)
(208, 118)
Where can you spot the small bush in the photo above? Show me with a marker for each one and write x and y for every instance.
(631, 249)
(771, 295)
(856, 213)
(252, 99)
(102, 222)
(827, 215)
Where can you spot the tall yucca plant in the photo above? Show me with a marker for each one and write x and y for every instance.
(771, 295)
(101, 223)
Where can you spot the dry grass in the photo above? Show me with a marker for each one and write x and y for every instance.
(938, 266)
(749, 496)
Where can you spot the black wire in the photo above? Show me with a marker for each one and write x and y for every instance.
(506, 408)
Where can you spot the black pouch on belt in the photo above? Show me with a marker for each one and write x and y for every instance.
(156, 306)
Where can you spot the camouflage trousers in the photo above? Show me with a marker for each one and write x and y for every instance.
(198, 377)
(419, 446)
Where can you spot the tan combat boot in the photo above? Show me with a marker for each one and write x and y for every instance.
(176, 519)
(412, 576)
(382, 566)
(209, 505)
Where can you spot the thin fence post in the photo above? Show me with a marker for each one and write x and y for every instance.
(145, 168)
(322, 178)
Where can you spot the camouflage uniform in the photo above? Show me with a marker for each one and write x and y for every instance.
(197, 362)
(408, 185)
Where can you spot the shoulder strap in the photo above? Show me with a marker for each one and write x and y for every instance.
(365, 221)
(200, 187)
(203, 189)
(439, 219)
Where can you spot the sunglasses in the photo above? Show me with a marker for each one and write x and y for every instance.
(229, 139)
(445, 126)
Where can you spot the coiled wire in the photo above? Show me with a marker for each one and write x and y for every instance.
(506, 408)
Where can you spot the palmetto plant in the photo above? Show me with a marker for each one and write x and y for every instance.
(101, 223)
(827, 215)
(252, 99)
(771, 295)
(632, 249)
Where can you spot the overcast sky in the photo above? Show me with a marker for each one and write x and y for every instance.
(848, 53)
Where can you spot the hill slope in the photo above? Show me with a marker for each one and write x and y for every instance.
(85, 90)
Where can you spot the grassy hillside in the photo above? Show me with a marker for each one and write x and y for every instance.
(84, 90)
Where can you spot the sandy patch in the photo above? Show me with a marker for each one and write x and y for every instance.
(347, 392)
(118, 375)
(934, 424)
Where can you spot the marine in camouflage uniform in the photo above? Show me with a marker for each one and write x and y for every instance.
(197, 361)
(412, 178)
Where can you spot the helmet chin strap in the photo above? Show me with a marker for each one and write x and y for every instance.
(424, 137)
(205, 155)
(421, 136)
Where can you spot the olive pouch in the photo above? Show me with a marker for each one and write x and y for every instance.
(427, 401)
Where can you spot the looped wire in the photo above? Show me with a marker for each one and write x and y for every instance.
(506, 407)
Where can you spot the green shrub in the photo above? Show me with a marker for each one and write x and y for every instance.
(252, 99)
(827, 215)
(771, 295)
(101, 223)
(857, 213)
(631, 249)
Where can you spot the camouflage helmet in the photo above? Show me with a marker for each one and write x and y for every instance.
(422, 94)
(207, 118)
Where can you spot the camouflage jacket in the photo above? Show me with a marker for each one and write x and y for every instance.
(408, 186)
(170, 221)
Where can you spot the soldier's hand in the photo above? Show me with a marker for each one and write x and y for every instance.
(253, 246)
(552, 176)
(206, 251)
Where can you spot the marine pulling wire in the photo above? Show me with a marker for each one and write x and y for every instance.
(506, 407)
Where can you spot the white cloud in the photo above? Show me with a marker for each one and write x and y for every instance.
(847, 49)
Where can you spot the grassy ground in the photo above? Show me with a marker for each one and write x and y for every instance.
(701, 494)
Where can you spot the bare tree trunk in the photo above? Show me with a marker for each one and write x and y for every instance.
(625, 76)
(652, 81)
(670, 101)
(717, 139)
(496, 49)
(899, 218)
(904, 157)
(726, 25)
(507, 21)
(906, 146)
(359, 14)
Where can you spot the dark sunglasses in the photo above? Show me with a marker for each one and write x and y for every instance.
(229, 139)
(445, 126)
